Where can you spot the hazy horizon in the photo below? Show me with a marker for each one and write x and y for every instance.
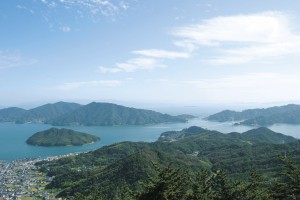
(150, 53)
(199, 110)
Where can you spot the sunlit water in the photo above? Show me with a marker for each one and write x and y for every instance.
(13, 136)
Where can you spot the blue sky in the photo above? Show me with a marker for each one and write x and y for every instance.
(150, 52)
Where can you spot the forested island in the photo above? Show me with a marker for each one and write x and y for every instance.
(61, 137)
(194, 163)
(288, 114)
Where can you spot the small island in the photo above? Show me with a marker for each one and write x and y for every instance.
(61, 137)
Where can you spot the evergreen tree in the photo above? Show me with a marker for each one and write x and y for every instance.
(254, 189)
(288, 185)
(169, 184)
(202, 186)
(125, 194)
(222, 187)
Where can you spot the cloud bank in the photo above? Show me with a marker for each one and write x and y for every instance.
(237, 39)
(242, 38)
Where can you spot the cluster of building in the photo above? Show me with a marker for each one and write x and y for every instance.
(20, 179)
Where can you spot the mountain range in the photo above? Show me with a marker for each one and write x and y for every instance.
(288, 114)
(93, 114)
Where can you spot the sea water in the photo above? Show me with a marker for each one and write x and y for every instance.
(13, 136)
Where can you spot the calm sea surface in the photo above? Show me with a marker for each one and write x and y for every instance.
(13, 136)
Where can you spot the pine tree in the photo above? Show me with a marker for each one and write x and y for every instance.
(125, 194)
(288, 185)
(222, 187)
(169, 184)
(202, 186)
(254, 189)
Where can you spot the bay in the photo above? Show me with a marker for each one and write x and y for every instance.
(13, 136)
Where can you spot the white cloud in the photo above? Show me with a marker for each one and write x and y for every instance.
(8, 60)
(158, 53)
(50, 4)
(25, 8)
(88, 10)
(149, 62)
(65, 29)
(233, 39)
(242, 38)
(188, 45)
(76, 85)
(133, 65)
(94, 7)
(124, 5)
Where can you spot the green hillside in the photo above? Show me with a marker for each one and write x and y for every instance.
(38, 114)
(11, 114)
(61, 137)
(112, 168)
(107, 114)
(49, 111)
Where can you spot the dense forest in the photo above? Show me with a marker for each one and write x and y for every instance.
(194, 163)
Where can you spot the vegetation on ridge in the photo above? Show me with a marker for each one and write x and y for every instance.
(120, 168)
(38, 114)
(93, 114)
(107, 114)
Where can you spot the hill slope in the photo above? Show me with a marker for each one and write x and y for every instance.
(49, 111)
(11, 114)
(38, 114)
(125, 164)
(288, 114)
(60, 137)
(258, 135)
(107, 114)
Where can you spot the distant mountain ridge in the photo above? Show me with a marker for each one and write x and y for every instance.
(258, 135)
(11, 114)
(108, 114)
(93, 114)
(38, 114)
(288, 114)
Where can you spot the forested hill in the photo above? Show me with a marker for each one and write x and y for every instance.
(288, 114)
(11, 114)
(258, 135)
(38, 114)
(108, 114)
(120, 168)
(93, 114)
(61, 137)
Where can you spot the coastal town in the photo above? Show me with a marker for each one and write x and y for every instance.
(20, 179)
